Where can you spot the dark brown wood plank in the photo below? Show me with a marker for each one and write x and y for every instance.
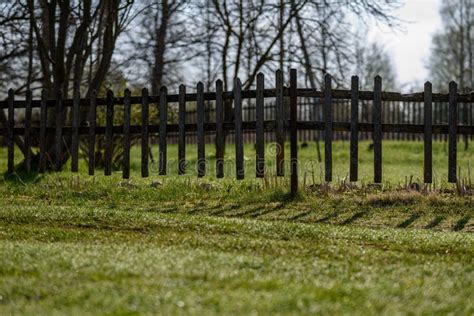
(259, 116)
(126, 135)
(92, 116)
(144, 132)
(428, 135)
(377, 134)
(163, 109)
(201, 167)
(182, 131)
(219, 130)
(75, 133)
(11, 133)
(354, 150)
(268, 93)
(27, 136)
(293, 131)
(109, 133)
(239, 146)
(453, 121)
(58, 138)
(328, 132)
(280, 129)
(43, 123)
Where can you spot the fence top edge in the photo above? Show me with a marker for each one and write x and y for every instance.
(250, 94)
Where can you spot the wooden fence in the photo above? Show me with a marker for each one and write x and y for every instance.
(279, 125)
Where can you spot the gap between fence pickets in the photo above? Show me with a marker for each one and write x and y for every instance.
(281, 125)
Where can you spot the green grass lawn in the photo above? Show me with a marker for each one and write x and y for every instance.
(74, 244)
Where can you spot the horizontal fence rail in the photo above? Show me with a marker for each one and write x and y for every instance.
(328, 112)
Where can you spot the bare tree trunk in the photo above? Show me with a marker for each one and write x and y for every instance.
(309, 73)
(160, 47)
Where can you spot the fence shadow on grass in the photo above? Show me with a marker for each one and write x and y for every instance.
(461, 223)
(435, 222)
(409, 221)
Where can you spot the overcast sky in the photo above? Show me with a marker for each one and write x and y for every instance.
(410, 47)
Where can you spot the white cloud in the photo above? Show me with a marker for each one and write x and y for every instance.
(410, 47)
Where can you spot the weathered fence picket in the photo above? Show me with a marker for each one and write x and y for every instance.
(145, 116)
(219, 130)
(75, 133)
(11, 128)
(377, 134)
(239, 144)
(279, 117)
(354, 151)
(163, 146)
(27, 135)
(259, 129)
(126, 135)
(428, 134)
(328, 132)
(453, 139)
(109, 133)
(58, 139)
(92, 116)
(43, 125)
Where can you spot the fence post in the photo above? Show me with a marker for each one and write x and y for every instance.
(428, 133)
(453, 120)
(59, 131)
(279, 117)
(75, 132)
(144, 133)
(219, 130)
(259, 118)
(92, 127)
(377, 133)
(163, 150)
(354, 151)
(126, 135)
(109, 133)
(327, 128)
(293, 131)
(27, 136)
(200, 131)
(43, 122)
(11, 132)
(182, 130)
(239, 147)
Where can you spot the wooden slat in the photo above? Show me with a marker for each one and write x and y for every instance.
(27, 138)
(126, 135)
(328, 133)
(144, 132)
(43, 123)
(75, 133)
(239, 146)
(11, 135)
(268, 93)
(92, 126)
(109, 133)
(58, 138)
(280, 125)
(269, 126)
(259, 116)
(428, 135)
(354, 151)
(219, 130)
(453, 121)
(182, 131)
(163, 108)
(293, 131)
(201, 167)
(377, 134)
